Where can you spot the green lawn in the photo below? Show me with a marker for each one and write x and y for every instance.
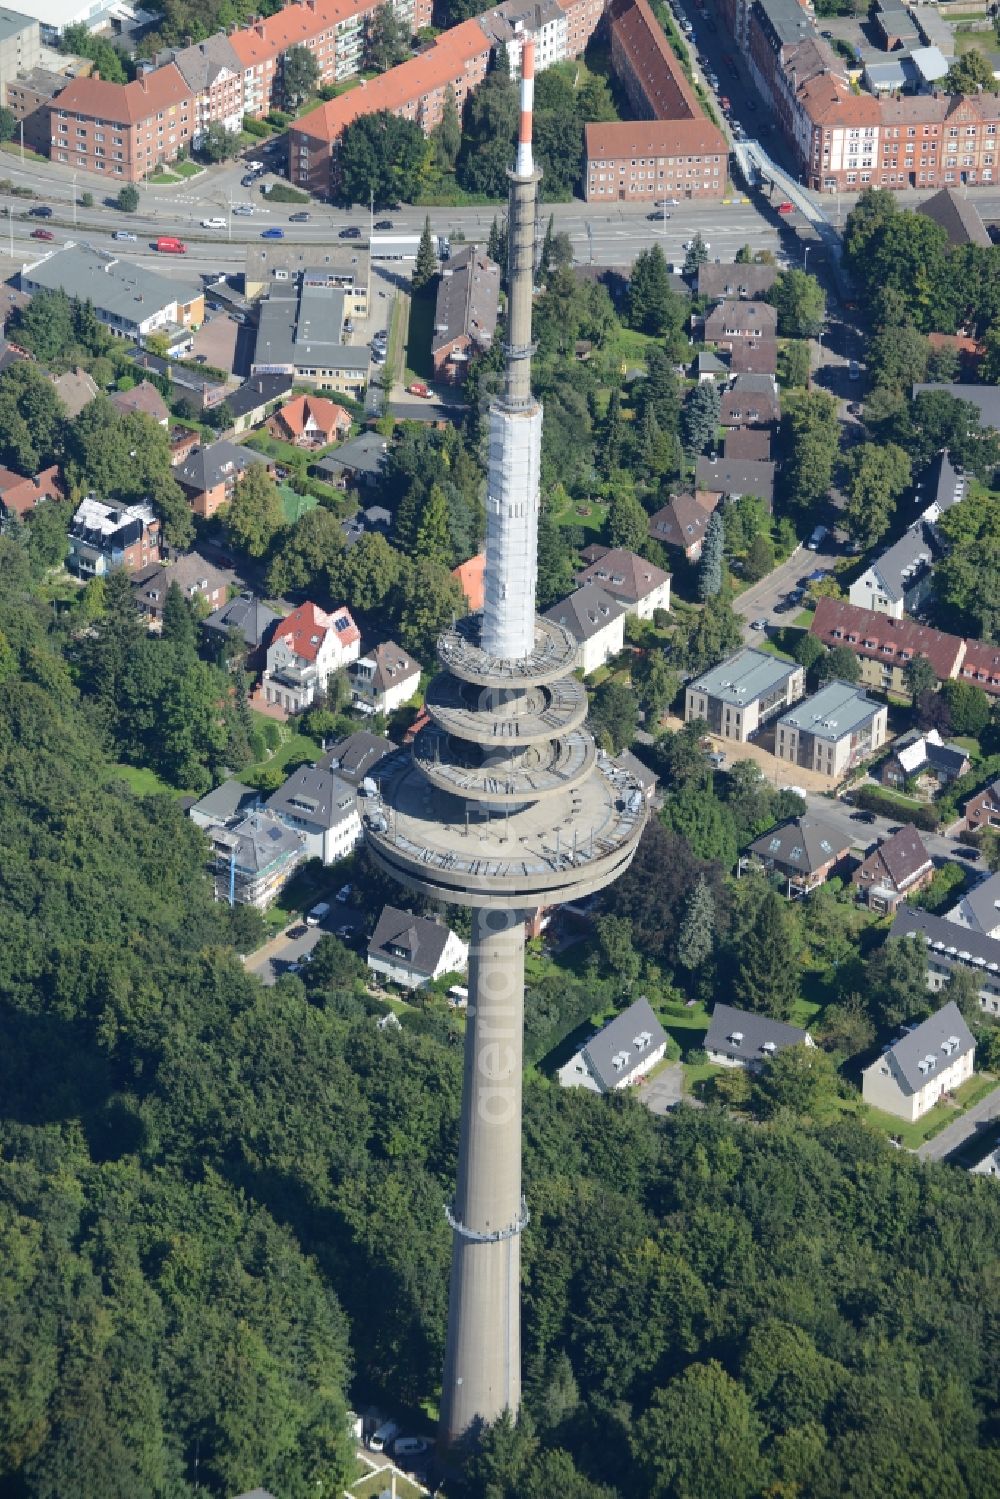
(589, 515)
(420, 332)
(144, 782)
(296, 749)
(379, 1483)
(804, 619)
(161, 179)
(186, 168)
(698, 1073)
(295, 505)
(932, 1123)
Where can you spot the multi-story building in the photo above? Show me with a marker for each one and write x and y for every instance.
(195, 577)
(321, 807)
(832, 731)
(644, 61)
(582, 19)
(122, 130)
(639, 586)
(900, 580)
(344, 265)
(384, 679)
(885, 646)
(103, 537)
(983, 809)
(596, 622)
(465, 313)
(300, 332)
(895, 869)
(20, 45)
(732, 320)
(978, 954)
(927, 1062)
(306, 648)
(803, 851)
(415, 90)
(737, 697)
(511, 23)
(652, 159)
(214, 74)
(740, 1038)
(130, 300)
(210, 474)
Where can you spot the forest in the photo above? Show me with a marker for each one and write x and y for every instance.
(203, 1183)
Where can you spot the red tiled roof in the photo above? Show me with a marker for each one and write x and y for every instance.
(22, 494)
(441, 64)
(306, 628)
(630, 138)
(893, 641)
(652, 59)
(327, 415)
(981, 665)
(471, 575)
(266, 38)
(827, 100)
(125, 103)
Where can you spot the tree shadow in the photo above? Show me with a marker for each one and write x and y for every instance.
(51, 1070)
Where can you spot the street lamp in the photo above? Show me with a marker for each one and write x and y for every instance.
(74, 200)
(805, 257)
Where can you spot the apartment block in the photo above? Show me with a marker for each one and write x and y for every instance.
(645, 63)
(214, 74)
(737, 697)
(647, 160)
(122, 132)
(20, 45)
(885, 646)
(832, 731)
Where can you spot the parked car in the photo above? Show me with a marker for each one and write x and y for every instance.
(758, 624)
(344, 894)
(318, 913)
(42, 234)
(247, 180)
(345, 932)
(854, 370)
(299, 930)
(298, 218)
(256, 166)
(351, 232)
(273, 233)
(42, 211)
(405, 1449)
(817, 538)
(866, 817)
(967, 853)
(418, 388)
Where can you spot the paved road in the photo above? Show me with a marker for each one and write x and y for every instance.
(663, 1092)
(956, 1134)
(278, 956)
(839, 814)
(759, 600)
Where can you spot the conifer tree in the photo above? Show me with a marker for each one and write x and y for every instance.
(710, 570)
(426, 267)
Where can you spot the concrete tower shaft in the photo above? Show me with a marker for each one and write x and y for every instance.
(504, 806)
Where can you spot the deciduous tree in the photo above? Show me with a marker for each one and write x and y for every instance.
(255, 515)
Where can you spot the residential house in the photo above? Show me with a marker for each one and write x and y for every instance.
(940, 487)
(804, 851)
(632, 766)
(358, 463)
(205, 391)
(753, 356)
(885, 646)
(928, 1061)
(895, 869)
(596, 622)
(128, 298)
(738, 696)
(310, 422)
(122, 131)
(747, 444)
(323, 808)
(224, 805)
(983, 809)
(636, 584)
(834, 730)
(214, 76)
(958, 216)
(681, 525)
(621, 1054)
(730, 321)
(103, 537)
(209, 476)
(722, 479)
(750, 401)
(900, 580)
(183, 441)
(144, 398)
(245, 619)
(472, 576)
(742, 281)
(645, 160)
(384, 679)
(412, 951)
(708, 368)
(981, 666)
(985, 398)
(923, 758)
(987, 1165)
(19, 494)
(465, 313)
(742, 1038)
(978, 910)
(195, 577)
(513, 22)
(300, 332)
(252, 860)
(251, 403)
(356, 758)
(306, 649)
(947, 951)
(75, 389)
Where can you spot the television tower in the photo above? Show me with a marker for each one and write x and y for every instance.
(505, 806)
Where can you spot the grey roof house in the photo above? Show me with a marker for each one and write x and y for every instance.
(803, 851)
(411, 950)
(356, 757)
(595, 620)
(621, 1053)
(359, 460)
(741, 1038)
(224, 805)
(942, 486)
(247, 616)
(735, 280)
(985, 398)
(959, 218)
(730, 478)
(926, 1063)
(323, 808)
(253, 859)
(979, 908)
(949, 948)
(899, 581)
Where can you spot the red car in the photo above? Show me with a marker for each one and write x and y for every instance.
(786, 208)
(42, 234)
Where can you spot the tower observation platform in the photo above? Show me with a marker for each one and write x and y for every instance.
(504, 805)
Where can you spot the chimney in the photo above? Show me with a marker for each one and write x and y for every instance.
(525, 164)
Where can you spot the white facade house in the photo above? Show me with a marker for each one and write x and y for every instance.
(412, 951)
(741, 1038)
(927, 1062)
(597, 623)
(979, 908)
(384, 679)
(306, 649)
(900, 581)
(639, 586)
(131, 300)
(625, 1051)
(323, 808)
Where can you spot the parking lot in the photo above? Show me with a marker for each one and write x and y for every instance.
(282, 953)
(215, 341)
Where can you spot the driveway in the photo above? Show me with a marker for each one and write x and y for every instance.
(276, 957)
(956, 1134)
(663, 1092)
(759, 600)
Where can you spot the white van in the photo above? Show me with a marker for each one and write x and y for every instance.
(318, 913)
(383, 1435)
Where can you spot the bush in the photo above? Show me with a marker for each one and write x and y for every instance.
(272, 734)
(870, 799)
(280, 192)
(256, 127)
(279, 119)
